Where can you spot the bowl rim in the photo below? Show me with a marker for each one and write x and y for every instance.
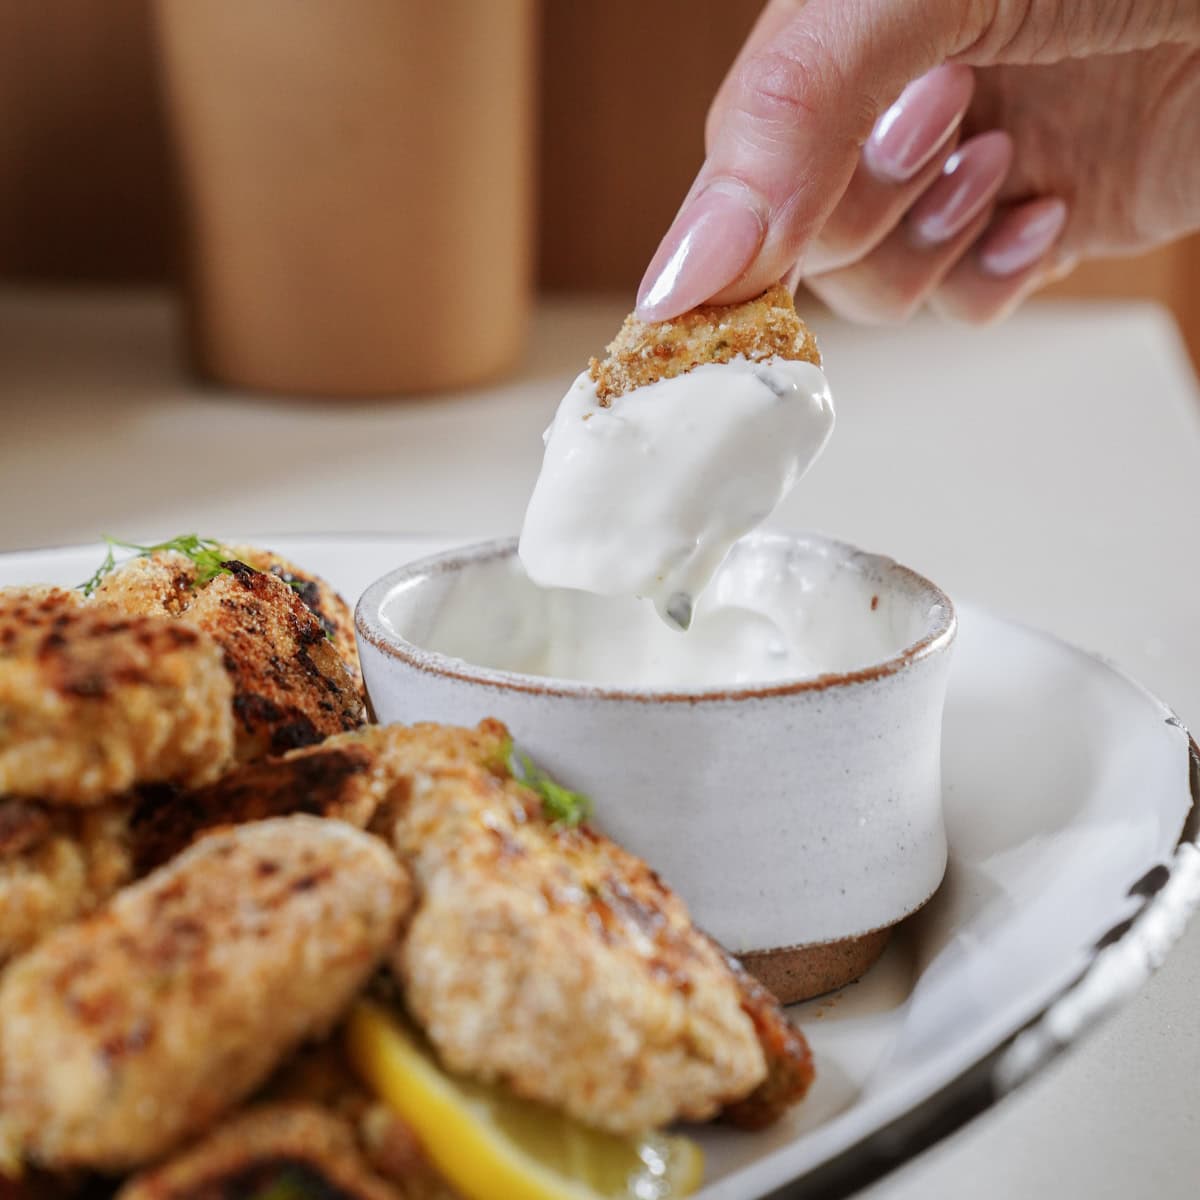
(940, 630)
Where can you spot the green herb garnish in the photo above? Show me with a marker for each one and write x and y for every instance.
(560, 804)
(209, 556)
(292, 1183)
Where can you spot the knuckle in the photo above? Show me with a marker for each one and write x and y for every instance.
(799, 83)
(781, 86)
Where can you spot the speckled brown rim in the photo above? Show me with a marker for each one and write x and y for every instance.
(941, 627)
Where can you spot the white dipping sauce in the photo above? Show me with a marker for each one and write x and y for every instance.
(779, 608)
(645, 497)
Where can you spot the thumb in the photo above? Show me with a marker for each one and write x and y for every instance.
(785, 137)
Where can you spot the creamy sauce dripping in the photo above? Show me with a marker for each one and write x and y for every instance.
(645, 497)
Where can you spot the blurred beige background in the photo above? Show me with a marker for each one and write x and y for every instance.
(85, 191)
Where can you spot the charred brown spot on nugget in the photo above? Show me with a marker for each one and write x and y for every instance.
(240, 571)
(330, 610)
(22, 827)
(292, 685)
(360, 778)
(789, 1059)
(166, 820)
(645, 352)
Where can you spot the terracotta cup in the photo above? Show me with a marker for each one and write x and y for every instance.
(356, 183)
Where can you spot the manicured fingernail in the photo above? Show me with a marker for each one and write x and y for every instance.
(712, 241)
(971, 178)
(1022, 236)
(917, 126)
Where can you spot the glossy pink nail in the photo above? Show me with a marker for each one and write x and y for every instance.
(918, 125)
(1022, 236)
(970, 180)
(711, 242)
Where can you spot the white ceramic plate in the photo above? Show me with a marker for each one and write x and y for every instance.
(1071, 801)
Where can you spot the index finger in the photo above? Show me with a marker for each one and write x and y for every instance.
(790, 122)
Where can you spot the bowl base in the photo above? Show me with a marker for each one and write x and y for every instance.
(795, 973)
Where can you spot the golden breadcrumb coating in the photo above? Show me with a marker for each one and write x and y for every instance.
(94, 700)
(291, 686)
(352, 777)
(551, 961)
(163, 583)
(56, 864)
(129, 1031)
(285, 1149)
(319, 598)
(645, 352)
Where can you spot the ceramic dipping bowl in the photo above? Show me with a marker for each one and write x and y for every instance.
(799, 818)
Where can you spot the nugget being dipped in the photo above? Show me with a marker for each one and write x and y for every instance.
(644, 352)
(678, 443)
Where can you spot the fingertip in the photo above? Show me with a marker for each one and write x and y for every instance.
(711, 245)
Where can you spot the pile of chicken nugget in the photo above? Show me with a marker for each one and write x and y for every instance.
(207, 856)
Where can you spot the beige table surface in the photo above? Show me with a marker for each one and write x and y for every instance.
(1048, 468)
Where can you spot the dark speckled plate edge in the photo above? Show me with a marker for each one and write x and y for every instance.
(1121, 962)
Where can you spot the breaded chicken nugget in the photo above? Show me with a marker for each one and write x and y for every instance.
(289, 1149)
(291, 687)
(94, 700)
(552, 961)
(353, 777)
(129, 1031)
(643, 352)
(56, 864)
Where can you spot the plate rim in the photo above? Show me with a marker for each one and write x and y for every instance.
(1171, 899)
(1143, 940)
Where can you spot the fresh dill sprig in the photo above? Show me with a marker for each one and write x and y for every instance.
(208, 554)
(560, 804)
(101, 572)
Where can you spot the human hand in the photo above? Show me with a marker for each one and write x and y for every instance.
(1036, 132)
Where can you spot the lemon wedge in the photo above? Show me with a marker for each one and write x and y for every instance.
(488, 1143)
